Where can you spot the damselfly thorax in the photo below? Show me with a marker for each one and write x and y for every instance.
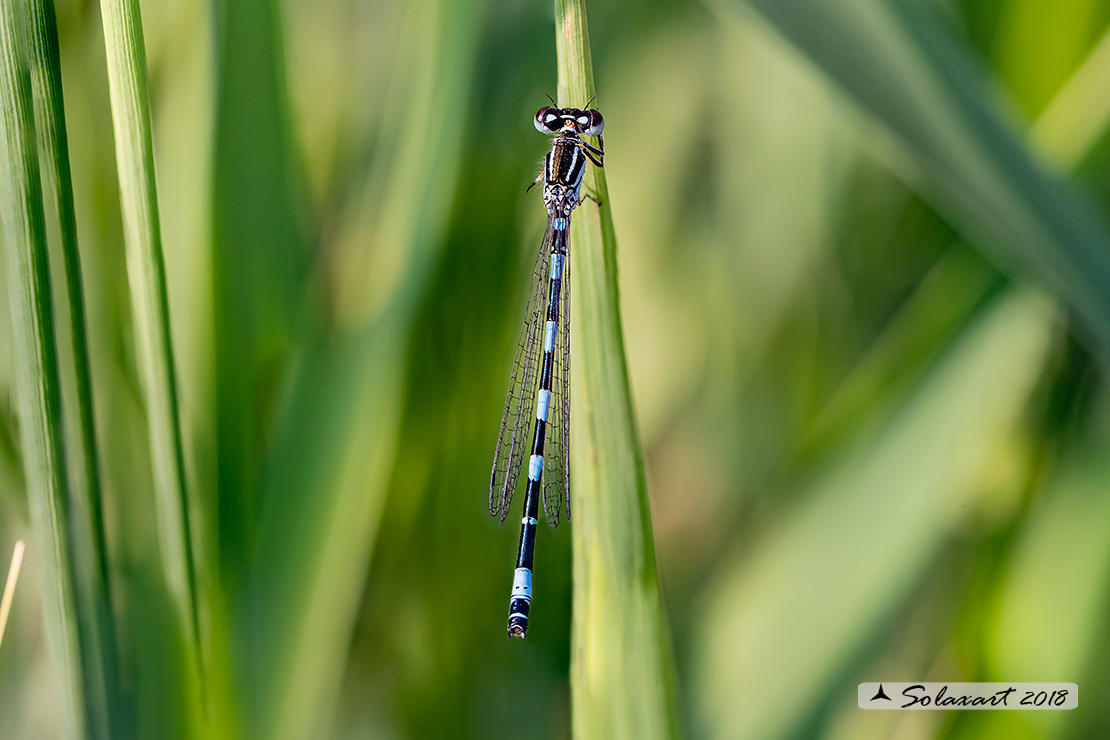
(563, 170)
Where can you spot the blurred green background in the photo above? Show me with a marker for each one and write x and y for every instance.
(861, 254)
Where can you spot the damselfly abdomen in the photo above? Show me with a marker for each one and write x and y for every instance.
(542, 358)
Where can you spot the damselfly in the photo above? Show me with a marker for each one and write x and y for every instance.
(546, 326)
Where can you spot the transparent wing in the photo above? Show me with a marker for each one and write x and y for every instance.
(514, 439)
(556, 464)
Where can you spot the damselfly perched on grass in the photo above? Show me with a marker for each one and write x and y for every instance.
(546, 326)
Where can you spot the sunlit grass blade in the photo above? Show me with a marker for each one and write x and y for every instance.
(9, 588)
(899, 64)
(1078, 115)
(94, 592)
(38, 384)
(1067, 528)
(796, 611)
(130, 98)
(622, 680)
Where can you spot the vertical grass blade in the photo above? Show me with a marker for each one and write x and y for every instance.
(327, 476)
(259, 256)
(86, 516)
(621, 668)
(46, 86)
(130, 99)
(9, 588)
(38, 387)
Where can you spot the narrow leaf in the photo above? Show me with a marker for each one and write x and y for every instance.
(130, 98)
(621, 673)
(95, 623)
(259, 259)
(326, 478)
(38, 385)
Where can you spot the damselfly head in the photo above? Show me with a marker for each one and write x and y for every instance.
(552, 120)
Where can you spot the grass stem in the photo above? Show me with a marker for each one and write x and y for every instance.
(130, 99)
(38, 385)
(96, 627)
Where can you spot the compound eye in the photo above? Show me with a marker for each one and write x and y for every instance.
(592, 123)
(547, 120)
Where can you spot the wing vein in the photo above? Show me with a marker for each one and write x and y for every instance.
(512, 439)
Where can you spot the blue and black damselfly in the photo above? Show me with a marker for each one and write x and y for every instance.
(546, 326)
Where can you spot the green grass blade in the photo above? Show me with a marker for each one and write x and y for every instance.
(259, 257)
(1068, 528)
(38, 385)
(304, 591)
(87, 518)
(899, 64)
(621, 670)
(337, 438)
(130, 99)
(46, 85)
